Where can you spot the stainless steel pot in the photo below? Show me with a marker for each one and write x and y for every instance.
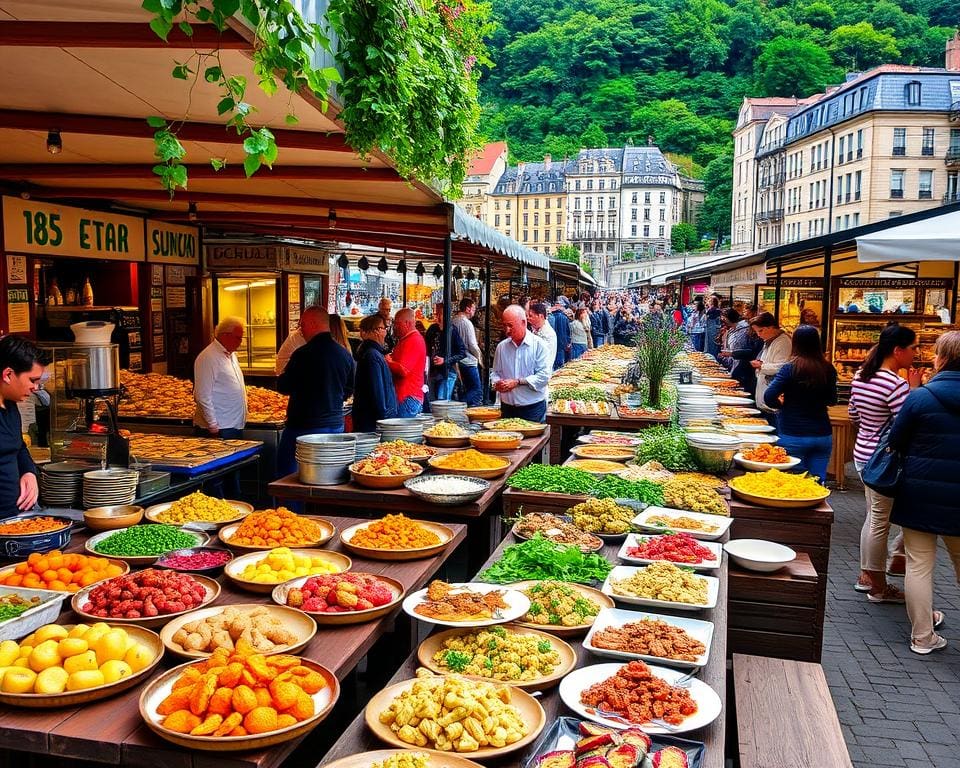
(93, 368)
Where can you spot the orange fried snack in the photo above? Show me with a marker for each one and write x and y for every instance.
(63, 573)
(276, 528)
(230, 694)
(394, 532)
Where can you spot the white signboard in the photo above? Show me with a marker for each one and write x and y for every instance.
(754, 275)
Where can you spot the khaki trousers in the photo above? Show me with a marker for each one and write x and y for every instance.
(876, 531)
(918, 584)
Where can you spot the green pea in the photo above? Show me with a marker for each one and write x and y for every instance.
(145, 540)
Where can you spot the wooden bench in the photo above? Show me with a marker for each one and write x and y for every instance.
(785, 715)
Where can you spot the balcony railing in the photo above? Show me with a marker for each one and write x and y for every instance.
(899, 151)
(769, 147)
(896, 194)
(952, 197)
(953, 156)
(955, 111)
(926, 194)
(773, 180)
(763, 217)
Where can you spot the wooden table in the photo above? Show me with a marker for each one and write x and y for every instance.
(844, 436)
(358, 738)
(111, 731)
(481, 516)
(565, 428)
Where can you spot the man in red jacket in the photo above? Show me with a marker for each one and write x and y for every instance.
(407, 363)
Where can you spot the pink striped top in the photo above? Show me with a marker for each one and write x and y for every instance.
(871, 404)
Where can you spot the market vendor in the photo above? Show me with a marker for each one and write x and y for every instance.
(521, 369)
(21, 367)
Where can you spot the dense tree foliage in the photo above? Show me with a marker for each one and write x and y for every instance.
(589, 73)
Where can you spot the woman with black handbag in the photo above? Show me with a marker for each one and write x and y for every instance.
(926, 502)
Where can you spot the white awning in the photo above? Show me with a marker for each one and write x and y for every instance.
(934, 239)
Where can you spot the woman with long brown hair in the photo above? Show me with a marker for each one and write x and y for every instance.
(800, 393)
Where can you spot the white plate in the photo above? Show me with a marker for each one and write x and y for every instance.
(760, 466)
(744, 411)
(590, 439)
(632, 540)
(728, 400)
(620, 572)
(751, 428)
(722, 522)
(708, 703)
(617, 617)
(755, 438)
(517, 605)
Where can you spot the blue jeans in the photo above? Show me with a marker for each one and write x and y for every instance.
(697, 339)
(813, 452)
(533, 412)
(576, 350)
(409, 407)
(472, 388)
(287, 449)
(442, 389)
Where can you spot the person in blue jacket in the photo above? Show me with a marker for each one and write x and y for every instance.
(561, 326)
(374, 397)
(926, 502)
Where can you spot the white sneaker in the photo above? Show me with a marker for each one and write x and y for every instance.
(924, 650)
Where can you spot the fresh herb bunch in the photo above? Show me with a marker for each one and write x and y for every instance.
(668, 445)
(550, 479)
(587, 394)
(657, 348)
(540, 558)
(613, 487)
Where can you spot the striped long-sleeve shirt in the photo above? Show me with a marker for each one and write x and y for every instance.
(872, 403)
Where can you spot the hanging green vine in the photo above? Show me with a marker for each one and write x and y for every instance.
(410, 81)
(283, 52)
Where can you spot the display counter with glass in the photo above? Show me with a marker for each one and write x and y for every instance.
(254, 300)
(854, 335)
(801, 302)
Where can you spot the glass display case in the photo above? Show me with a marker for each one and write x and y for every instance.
(803, 299)
(253, 299)
(854, 335)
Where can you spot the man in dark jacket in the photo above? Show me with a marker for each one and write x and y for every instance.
(561, 326)
(374, 397)
(442, 375)
(318, 378)
(599, 324)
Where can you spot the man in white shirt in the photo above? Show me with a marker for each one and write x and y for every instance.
(219, 391)
(521, 369)
(470, 365)
(291, 344)
(537, 320)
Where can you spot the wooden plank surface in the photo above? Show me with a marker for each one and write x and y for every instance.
(358, 738)
(785, 716)
(111, 731)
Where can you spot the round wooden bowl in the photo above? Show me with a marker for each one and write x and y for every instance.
(531, 713)
(211, 587)
(382, 482)
(568, 656)
(769, 501)
(292, 620)
(483, 413)
(371, 553)
(485, 473)
(236, 566)
(201, 540)
(243, 509)
(151, 640)
(595, 595)
(111, 518)
(366, 759)
(496, 441)
(347, 617)
(160, 688)
(328, 530)
(447, 442)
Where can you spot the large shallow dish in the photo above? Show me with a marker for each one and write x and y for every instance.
(293, 620)
(21, 544)
(418, 486)
(45, 611)
(348, 617)
(483, 413)
(243, 509)
(496, 441)
(759, 555)
(486, 473)
(327, 528)
(532, 431)
(530, 710)
(10, 569)
(595, 439)
(617, 617)
(111, 518)
(211, 587)
(517, 605)
(626, 571)
(755, 438)
(633, 540)
(602, 600)
(200, 539)
(760, 466)
(769, 501)
(371, 553)
(382, 482)
(750, 428)
(366, 759)
(574, 684)
(459, 441)
(160, 688)
(212, 571)
(236, 566)
(722, 523)
(596, 467)
(730, 400)
(568, 657)
(72, 698)
(523, 537)
(612, 452)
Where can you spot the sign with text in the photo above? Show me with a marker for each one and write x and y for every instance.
(293, 259)
(45, 229)
(172, 243)
(17, 270)
(895, 282)
(743, 276)
(242, 256)
(18, 310)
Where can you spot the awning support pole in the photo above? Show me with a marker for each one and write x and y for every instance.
(447, 297)
(827, 301)
(776, 292)
(486, 334)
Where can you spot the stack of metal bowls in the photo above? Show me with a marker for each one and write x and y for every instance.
(366, 444)
(324, 459)
(450, 410)
(410, 430)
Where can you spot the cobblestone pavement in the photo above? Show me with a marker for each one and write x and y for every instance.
(896, 708)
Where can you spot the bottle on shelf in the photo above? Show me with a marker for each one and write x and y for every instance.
(87, 293)
(71, 296)
(55, 297)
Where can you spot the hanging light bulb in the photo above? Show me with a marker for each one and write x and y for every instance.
(470, 276)
(382, 265)
(457, 272)
(343, 262)
(438, 271)
(420, 271)
(402, 266)
(363, 263)
(54, 142)
(192, 211)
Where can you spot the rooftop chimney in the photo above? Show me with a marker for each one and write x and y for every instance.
(952, 58)
(547, 162)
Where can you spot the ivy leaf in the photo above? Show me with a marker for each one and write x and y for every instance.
(186, 28)
(161, 27)
(295, 47)
(227, 7)
(254, 144)
(178, 174)
(291, 119)
(225, 105)
(212, 74)
(332, 74)
(182, 72)
(153, 6)
(268, 85)
(156, 122)
(251, 164)
(243, 109)
(168, 4)
(237, 85)
(250, 11)
(270, 153)
(203, 14)
(218, 163)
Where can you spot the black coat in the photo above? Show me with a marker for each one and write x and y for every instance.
(374, 397)
(925, 432)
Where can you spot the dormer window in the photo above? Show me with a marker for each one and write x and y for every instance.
(912, 93)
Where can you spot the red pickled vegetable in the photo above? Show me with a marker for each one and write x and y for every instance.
(674, 547)
(192, 561)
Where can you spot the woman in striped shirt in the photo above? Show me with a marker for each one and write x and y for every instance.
(877, 394)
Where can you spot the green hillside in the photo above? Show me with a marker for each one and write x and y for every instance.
(588, 73)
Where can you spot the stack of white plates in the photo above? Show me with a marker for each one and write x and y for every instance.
(410, 430)
(61, 483)
(323, 459)
(109, 487)
(449, 410)
(366, 443)
(696, 405)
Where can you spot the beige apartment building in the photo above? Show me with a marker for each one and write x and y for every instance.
(528, 204)
(486, 168)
